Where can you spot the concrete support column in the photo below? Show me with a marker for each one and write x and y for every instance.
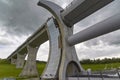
(13, 61)
(20, 60)
(70, 65)
(30, 68)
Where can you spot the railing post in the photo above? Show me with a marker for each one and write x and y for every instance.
(118, 73)
(101, 75)
(88, 75)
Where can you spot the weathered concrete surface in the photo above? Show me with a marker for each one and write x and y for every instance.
(70, 65)
(30, 69)
(51, 70)
(13, 61)
(20, 60)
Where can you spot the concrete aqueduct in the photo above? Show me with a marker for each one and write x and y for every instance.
(63, 62)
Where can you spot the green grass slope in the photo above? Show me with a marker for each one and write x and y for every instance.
(97, 67)
(9, 70)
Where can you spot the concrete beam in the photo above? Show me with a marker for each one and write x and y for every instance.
(30, 68)
(39, 37)
(22, 49)
(79, 9)
(104, 27)
(20, 60)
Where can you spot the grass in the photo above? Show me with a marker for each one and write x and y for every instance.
(97, 67)
(41, 67)
(9, 70)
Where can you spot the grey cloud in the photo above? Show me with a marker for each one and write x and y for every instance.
(43, 52)
(4, 11)
(110, 38)
(22, 17)
(98, 51)
(4, 43)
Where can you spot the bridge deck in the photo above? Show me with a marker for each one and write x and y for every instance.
(79, 9)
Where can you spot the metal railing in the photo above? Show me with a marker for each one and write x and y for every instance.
(98, 75)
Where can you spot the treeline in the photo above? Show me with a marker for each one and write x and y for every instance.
(100, 61)
(4, 61)
(84, 61)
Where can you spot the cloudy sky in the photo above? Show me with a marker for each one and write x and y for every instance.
(21, 18)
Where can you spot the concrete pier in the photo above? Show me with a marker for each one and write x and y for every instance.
(30, 69)
(20, 60)
(13, 61)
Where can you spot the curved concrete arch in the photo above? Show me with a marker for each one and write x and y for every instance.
(51, 70)
(51, 7)
(76, 69)
(68, 53)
